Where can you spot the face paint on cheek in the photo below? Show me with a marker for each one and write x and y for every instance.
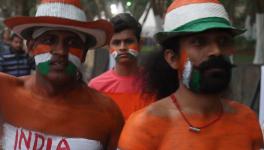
(43, 63)
(42, 58)
(210, 77)
(182, 61)
(190, 77)
(76, 52)
(133, 50)
(134, 47)
(75, 57)
(41, 49)
(114, 54)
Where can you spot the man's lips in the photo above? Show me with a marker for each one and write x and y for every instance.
(59, 65)
(123, 55)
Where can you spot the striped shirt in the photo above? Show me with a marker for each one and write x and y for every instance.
(16, 64)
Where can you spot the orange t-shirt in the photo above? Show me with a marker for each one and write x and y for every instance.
(124, 90)
(111, 82)
(129, 102)
(144, 130)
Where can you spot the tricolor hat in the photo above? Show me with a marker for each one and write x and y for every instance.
(65, 14)
(191, 16)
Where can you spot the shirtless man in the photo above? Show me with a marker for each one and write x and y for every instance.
(53, 108)
(196, 40)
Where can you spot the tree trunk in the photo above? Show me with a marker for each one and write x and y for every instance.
(259, 50)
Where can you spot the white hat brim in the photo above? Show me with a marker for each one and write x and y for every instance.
(101, 30)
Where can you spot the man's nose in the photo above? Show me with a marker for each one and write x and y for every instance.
(123, 46)
(60, 49)
(214, 49)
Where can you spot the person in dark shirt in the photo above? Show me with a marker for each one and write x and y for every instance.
(5, 39)
(14, 60)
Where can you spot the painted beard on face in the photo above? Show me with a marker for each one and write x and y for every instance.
(210, 77)
(46, 61)
(131, 53)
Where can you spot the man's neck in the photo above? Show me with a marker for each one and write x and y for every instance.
(198, 103)
(47, 88)
(126, 69)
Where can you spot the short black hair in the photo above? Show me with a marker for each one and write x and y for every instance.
(124, 21)
(13, 35)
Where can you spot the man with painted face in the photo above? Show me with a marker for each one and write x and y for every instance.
(196, 42)
(53, 108)
(123, 83)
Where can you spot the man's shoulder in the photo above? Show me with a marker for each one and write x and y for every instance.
(10, 83)
(5, 52)
(8, 78)
(104, 104)
(4, 47)
(104, 76)
(101, 80)
(153, 113)
(100, 99)
(237, 106)
(240, 110)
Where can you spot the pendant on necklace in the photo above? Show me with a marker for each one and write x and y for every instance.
(194, 129)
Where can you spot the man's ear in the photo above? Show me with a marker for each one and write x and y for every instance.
(171, 58)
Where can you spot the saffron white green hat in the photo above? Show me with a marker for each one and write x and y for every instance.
(191, 16)
(66, 14)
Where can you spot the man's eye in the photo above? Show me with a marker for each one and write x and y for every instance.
(116, 42)
(75, 43)
(198, 42)
(129, 41)
(48, 40)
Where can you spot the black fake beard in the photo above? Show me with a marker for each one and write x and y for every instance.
(215, 74)
(129, 55)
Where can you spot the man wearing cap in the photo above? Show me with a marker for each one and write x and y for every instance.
(54, 109)
(197, 38)
(123, 82)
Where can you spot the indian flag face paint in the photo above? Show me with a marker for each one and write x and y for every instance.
(204, 78)
(133, 50)
(42, 55)
(191, 77)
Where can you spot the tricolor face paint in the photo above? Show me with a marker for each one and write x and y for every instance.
(132, 51)
(209, 77)
(43, 59)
